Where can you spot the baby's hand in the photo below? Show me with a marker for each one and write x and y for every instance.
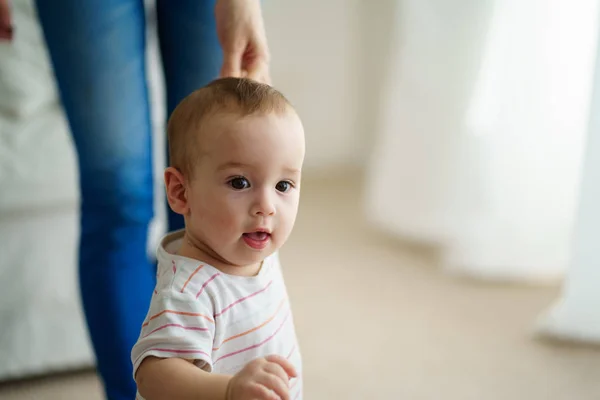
(262, 379)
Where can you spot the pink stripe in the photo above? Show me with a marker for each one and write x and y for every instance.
(175, 351)
(291, 352)
(206, 283)
(295, 383)
(191, 328)
(255, 345)
(299, 388)
(242, 299)
(190, 277)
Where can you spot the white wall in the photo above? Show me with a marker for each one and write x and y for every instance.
(328, 58)
(315, 47)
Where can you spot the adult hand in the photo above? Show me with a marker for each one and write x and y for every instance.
(241, 32)
(6, 31)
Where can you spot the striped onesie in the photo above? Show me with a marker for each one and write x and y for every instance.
(221, 321)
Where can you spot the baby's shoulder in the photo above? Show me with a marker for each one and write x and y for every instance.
(185, 276)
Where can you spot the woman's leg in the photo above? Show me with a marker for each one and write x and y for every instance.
(190, 52)
(97, 48)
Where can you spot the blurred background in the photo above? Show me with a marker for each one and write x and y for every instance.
(444, 247)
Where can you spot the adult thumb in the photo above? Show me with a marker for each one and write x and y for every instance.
(232, 64)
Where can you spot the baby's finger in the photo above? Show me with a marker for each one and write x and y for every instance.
(284, 363)
(260, 392)
(277, 370)
(279, 389)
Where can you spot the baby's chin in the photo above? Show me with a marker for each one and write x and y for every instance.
(252, 258)
(243, 265)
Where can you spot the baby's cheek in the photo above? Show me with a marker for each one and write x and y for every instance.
(214, 219)
(285, 227)
(291, 210)
(230, 221)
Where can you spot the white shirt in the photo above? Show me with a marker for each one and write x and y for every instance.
(222, 321)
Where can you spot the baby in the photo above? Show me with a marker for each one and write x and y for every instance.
(219, 325)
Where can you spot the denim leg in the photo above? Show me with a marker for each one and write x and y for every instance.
(190, 52)
(97, 49)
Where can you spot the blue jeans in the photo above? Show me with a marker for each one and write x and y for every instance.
(97, 49)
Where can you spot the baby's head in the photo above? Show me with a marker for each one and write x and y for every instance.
(236, 151)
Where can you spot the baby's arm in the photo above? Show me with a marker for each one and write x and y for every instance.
(178, 326)
(175, 378)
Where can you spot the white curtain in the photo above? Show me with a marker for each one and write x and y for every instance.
(481, 133)
(576, 315)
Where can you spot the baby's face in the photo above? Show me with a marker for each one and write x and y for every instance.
(244, 196)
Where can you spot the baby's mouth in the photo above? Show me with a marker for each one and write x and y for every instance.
(258, 240)
(258, 236)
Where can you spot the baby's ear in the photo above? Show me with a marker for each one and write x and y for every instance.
(176, 191)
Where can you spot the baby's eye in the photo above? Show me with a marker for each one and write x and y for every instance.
(239, 183)
(283, 186)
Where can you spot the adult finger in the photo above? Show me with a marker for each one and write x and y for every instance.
(232, 63)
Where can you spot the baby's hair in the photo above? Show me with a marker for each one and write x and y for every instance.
(239, 96)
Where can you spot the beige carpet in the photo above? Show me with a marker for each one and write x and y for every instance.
(377, 321)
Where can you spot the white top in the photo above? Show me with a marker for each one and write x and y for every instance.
(220, 320)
